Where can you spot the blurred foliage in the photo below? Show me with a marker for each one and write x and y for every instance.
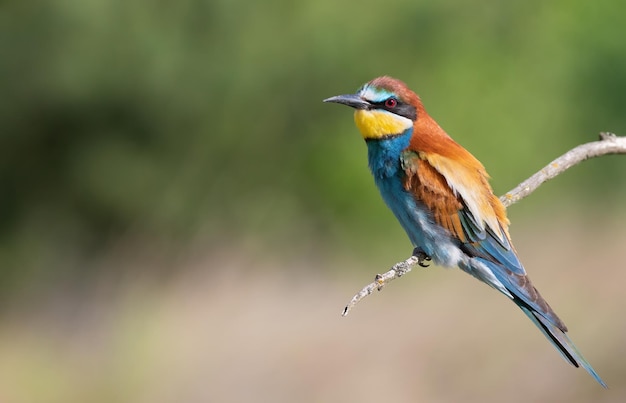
(170, 121)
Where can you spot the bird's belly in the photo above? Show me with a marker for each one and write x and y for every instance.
(419, 225)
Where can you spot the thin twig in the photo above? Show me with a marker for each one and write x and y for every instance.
(398, 270)
(609, 143)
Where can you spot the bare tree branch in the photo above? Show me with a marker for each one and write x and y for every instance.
(398, 270)
(609, 143)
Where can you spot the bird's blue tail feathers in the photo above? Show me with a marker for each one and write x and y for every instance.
(520, 289)
(560, 340)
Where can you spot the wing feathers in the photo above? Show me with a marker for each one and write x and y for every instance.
(447, 186)
(430, 187)
(482, 234)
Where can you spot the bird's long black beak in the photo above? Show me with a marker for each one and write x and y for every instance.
(352, 100)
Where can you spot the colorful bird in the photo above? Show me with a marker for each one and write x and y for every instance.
(441, 195)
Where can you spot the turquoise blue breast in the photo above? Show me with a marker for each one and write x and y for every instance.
(417, 221)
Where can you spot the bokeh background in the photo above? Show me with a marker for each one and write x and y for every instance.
(183, 219)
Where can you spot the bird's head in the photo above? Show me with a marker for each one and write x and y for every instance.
(385, 107)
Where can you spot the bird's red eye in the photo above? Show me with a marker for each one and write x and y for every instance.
(391, 103)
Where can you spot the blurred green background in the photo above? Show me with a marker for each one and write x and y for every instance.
(182, 218)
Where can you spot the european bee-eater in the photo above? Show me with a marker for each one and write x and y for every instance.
(441, 195)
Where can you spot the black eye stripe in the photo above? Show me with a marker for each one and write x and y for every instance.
(401, 108)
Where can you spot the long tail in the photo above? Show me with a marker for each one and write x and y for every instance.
(560, 340)
(518, 287)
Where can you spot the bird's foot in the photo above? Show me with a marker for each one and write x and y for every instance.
(422, 257)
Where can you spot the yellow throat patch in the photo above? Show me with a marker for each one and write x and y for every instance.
(375, 124)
